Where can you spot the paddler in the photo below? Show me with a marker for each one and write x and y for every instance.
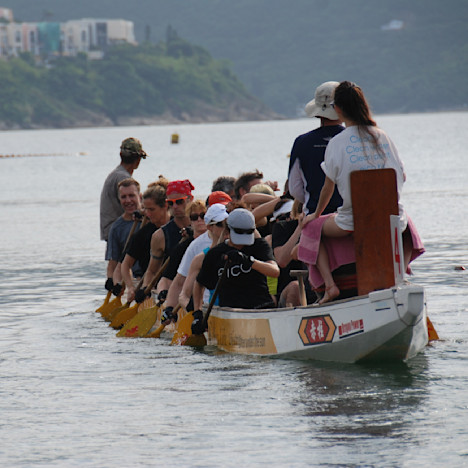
(155, 208)
(165, 239)
(130, 199)
(250, 261)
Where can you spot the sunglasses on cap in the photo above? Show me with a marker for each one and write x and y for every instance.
(177, 201)
(195, 216)
(242, 231)
(220, 224)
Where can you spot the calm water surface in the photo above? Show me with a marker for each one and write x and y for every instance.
(72, 394)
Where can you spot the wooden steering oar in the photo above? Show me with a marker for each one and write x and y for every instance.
(183, 335)
(106, 307)
(129, 312)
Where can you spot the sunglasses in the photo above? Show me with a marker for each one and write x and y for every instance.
(177, 201)
(242, 231)
(195, 216)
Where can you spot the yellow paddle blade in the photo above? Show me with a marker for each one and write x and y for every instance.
(124, 316)
(106, 301)
(141, 324)
(431, 331)
(113, 313)
(114, 304)
(184, 330)
(156, 333)
(195, 341)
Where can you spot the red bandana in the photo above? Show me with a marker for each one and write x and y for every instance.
(180, 186)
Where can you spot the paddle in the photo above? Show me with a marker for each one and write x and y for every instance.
(300, 275)
(113, 313)
(157, 333)
(129, 312)
(142, 323)
(104, 308)
(142, 319)
(183, 335)
(431, 331)
(106, 301)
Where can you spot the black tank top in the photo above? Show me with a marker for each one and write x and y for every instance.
(172, 237)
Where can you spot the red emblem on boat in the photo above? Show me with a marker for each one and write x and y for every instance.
(316, 330)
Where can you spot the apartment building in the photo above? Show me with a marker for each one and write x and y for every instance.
(91, 36)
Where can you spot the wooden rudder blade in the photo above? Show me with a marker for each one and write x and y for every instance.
(374, 196)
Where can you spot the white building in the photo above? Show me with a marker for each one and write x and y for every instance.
(88, 35)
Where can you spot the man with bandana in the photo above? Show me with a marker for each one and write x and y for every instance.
(166, 238)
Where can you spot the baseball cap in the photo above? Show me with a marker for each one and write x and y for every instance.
(219, 197)
(132, 146)
(283, 209)
(241, 223)
(215, 213)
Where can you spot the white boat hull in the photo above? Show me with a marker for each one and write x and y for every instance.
(385, 325)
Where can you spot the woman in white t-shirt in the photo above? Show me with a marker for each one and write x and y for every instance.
(361, 146)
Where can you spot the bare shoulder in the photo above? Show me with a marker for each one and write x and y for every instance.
(157, 238)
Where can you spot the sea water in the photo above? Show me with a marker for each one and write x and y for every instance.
(73, 394)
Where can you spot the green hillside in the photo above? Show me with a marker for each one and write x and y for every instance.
(171, 81)
(282, 49)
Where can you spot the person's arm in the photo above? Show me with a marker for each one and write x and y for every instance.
(296, 182)
(197, 295)
(257, 198)
(117, 274)
(265, 209)
(111, 265)
(283, 253)
(325, 196)
(174, 290)
(268, 268)
(158, 244)
(127, 276)
(187, 288)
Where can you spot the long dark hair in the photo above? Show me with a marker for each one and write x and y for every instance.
(352, 102)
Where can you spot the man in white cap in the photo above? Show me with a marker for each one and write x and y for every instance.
(306, 177)
(249, 261)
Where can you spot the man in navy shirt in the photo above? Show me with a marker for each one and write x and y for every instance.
(306, 177)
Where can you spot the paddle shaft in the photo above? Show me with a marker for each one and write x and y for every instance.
(157, 277)
(215, 294)
(161, 327)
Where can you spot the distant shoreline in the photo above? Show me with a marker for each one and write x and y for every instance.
(169, 119)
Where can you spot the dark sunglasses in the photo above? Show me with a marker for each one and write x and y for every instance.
(177, 201)
(242, 231)
(195, 216)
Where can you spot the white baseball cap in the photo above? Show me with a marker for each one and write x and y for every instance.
(215, 213)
